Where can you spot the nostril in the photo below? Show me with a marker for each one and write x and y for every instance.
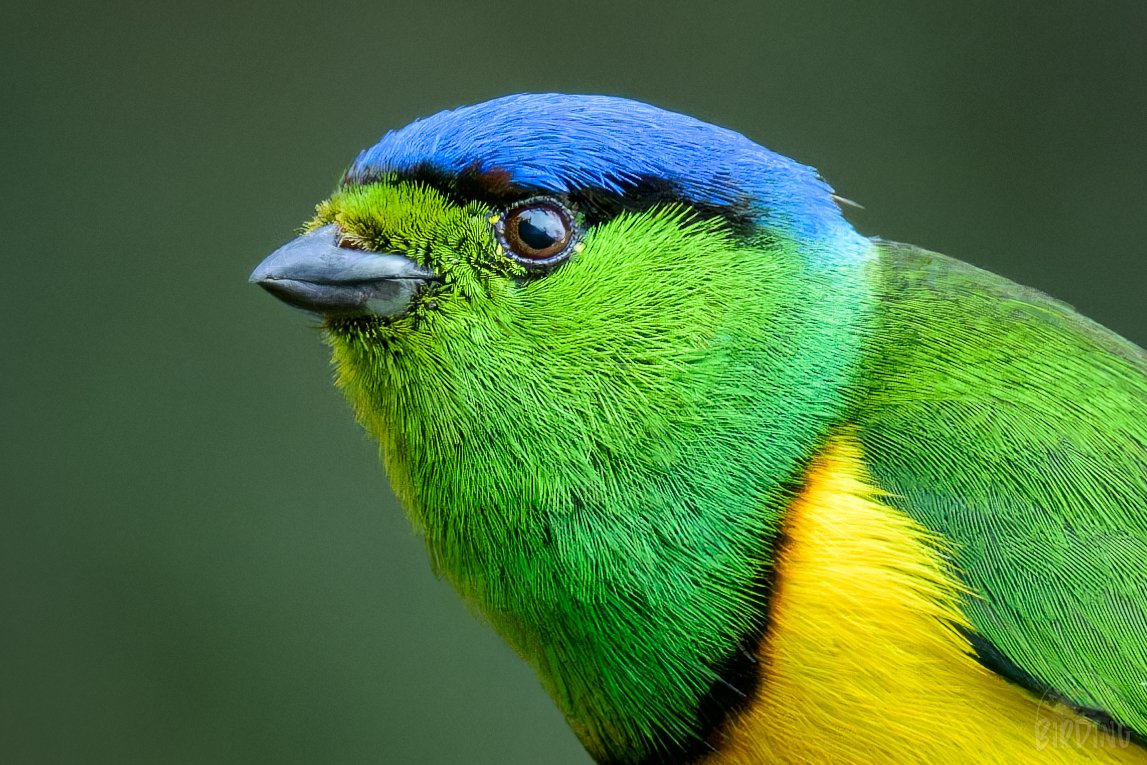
(348, 241)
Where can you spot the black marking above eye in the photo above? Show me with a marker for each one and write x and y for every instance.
(538, 232)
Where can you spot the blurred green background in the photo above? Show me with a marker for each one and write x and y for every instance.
(201, 560)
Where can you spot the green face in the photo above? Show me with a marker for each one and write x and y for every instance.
(592, 420)
(456, 241)
(607, 348)
(496, 270)
(583, 375)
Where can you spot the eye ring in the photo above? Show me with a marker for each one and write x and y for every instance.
(538, 233)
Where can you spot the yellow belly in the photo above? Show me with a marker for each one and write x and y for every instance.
(864, 661)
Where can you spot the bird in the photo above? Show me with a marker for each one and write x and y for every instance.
(740, 484)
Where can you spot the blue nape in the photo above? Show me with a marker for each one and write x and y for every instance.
(550, 142)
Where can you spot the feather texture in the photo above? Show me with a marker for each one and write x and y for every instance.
(729, 437)
(868, 660)
(1017, 429)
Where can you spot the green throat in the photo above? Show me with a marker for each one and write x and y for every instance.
(599, 458)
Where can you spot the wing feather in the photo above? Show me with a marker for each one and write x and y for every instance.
(1013, 426)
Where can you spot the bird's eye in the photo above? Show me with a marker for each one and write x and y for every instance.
(537, 233)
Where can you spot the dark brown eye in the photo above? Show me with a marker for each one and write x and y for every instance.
(537, 233)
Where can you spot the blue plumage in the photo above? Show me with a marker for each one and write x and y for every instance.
(556, 143)
(627, 458)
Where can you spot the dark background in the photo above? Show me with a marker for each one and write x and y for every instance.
(200, 560)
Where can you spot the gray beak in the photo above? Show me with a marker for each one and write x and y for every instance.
(314, 273)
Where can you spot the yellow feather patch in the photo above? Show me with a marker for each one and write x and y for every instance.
(864, 661)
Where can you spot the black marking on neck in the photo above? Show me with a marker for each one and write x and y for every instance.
(739, 674)
(987, 654)
(597, 205)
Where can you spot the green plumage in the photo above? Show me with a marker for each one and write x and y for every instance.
(1013, 426)
(600, 454)
(600, 477)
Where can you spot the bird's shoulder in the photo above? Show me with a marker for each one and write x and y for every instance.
(1006, 422)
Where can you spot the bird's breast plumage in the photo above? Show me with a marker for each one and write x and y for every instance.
(867, 657)
(741, 484)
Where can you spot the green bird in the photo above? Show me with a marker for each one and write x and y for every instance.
(740, 484)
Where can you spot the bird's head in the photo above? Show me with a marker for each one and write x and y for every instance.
(570, 271)
(596, 340)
